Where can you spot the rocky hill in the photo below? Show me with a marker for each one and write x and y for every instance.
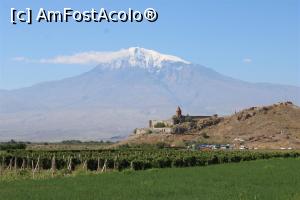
(274, 127)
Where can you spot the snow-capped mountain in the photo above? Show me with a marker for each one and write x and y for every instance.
(136, 57)
(131, 57)
(124, 91)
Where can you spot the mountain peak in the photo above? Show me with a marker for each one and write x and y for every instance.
(138, 57)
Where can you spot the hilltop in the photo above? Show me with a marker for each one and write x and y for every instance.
(275, 126)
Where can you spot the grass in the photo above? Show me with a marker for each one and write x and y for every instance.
(262, 179)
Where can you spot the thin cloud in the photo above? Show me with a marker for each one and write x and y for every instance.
(19, 58)
(247, 60)
(96, 57)
(91, 57)
(83, 58)
(79, 58)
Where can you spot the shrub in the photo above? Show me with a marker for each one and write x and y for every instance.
(204, 134)
(14, 145)
(175, 119)
(178, 130)
(159, 125)
(188, 118)
(161, 145)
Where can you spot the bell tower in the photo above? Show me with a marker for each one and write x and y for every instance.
(178, 112)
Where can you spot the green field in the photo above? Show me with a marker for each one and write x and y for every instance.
(261, 179)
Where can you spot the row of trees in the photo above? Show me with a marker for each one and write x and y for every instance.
(135, 159)
(12, 145)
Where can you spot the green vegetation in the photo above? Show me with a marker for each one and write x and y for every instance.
(130, 158)
(12, 145)
(178, 129)
(277, 179)
(176, 120)
(188, 118)
(182, 119)
(159, 125)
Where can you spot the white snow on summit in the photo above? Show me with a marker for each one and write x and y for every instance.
(147, 58)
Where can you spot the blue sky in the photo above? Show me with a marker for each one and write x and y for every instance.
(252, 40)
